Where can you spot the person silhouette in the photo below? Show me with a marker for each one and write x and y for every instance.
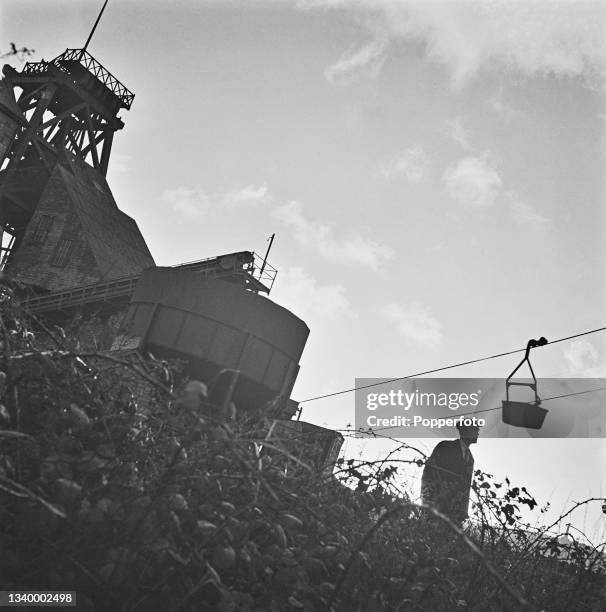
(447, 475)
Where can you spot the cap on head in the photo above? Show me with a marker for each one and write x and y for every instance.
(468, 431)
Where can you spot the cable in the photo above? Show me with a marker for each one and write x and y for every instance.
(546, 399)
(585, 333)
(571, 394)
(448, 367)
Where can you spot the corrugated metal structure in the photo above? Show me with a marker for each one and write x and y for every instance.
(217, 325)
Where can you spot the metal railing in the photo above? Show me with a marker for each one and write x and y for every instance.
(87, 294)
(264, 272)
(244, 265)
(241, 262)
(92, 65)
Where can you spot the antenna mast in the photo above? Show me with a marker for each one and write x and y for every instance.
(271, 241)
(94, 27)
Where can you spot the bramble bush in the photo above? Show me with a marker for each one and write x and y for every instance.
(119, 480)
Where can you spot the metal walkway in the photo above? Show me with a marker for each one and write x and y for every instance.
(235, 267)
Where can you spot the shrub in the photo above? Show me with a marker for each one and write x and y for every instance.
(119, 481)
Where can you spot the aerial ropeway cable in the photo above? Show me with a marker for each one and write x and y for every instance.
(452, 366)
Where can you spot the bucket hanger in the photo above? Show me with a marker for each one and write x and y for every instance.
(542, 341)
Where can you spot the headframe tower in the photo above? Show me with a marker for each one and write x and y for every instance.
(63, 235)
(60, 224)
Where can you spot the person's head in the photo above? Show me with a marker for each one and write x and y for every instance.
(468, 433)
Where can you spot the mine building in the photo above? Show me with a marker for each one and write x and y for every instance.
(64, 238)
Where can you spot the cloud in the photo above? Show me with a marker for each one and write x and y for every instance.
(529, 38)
(473, 181)
(366, 60)
(120, 163)
(415, 323)
(316, 237)
(524, 214)
(248, 196)
(195, 203)
(311, 235)
(459, 133)
(412, 164)
(190, 203)
(583, 359)
(297, 290)
(501, 108)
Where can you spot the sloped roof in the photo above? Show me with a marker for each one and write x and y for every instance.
(112, 236)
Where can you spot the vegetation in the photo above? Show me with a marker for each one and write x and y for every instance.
(120, 481)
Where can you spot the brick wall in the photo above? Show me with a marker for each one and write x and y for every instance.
(77, 235)
(34, 260)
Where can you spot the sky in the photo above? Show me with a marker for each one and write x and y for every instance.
(433, 172)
